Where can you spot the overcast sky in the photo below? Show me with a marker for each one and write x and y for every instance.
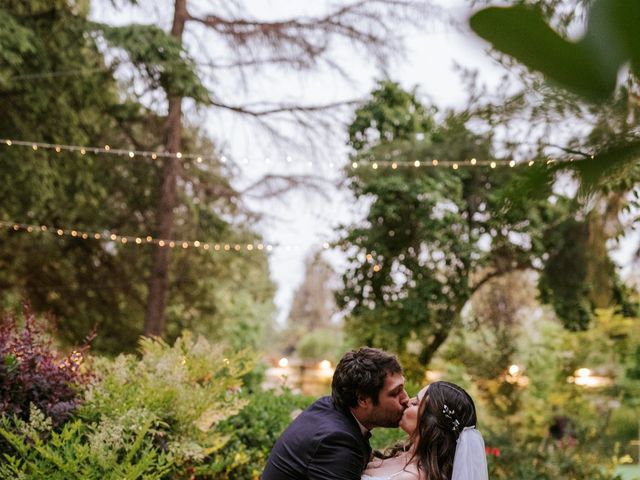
(302, 222)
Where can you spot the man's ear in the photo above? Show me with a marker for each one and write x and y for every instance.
(364, 401)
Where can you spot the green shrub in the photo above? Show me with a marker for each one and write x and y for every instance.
(251, 435)
(546, 460)
(105, 450)
(183, 391)
(142, 418)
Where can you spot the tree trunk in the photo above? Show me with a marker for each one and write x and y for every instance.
(439, 337)
(154, 321)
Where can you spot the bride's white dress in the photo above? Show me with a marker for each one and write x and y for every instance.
(369, 477)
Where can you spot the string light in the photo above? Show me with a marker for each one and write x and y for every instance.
(107, 149)
(454, 164)
(126, 239)
(200, 158)
(164, 243)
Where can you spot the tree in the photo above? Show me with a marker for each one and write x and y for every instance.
(557, 90)
(433, 236)
(313, 303)
(84, 283)
(300, 43)
(311, 330)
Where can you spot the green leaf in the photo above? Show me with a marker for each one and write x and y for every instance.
(524, 34)
(613, 31)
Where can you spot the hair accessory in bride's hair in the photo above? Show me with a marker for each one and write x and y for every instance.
(450, 414)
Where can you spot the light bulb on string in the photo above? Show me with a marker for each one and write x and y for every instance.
(375, 164)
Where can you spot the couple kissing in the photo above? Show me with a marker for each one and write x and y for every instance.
(330, 439)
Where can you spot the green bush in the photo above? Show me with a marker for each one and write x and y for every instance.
(79, 450)
(519, 414)
(184, 391)
(252, 433)
(142, 418)
(528, 459)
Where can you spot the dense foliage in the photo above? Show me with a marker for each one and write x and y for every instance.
(145, 417)
(81, 450)
(522, 367)
(252, 433)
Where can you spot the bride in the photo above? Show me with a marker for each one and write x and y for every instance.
(443, 441)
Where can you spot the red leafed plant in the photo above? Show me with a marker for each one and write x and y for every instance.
(32, 371)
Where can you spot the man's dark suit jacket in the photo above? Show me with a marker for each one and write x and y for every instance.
(322, 443)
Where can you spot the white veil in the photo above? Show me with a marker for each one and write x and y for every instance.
(470, 460)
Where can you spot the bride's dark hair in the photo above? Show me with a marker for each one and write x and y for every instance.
(444, 411)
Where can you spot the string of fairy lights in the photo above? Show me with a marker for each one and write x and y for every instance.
(109, 236)
(288, 159)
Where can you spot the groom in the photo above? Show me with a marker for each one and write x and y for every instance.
(330, 439)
